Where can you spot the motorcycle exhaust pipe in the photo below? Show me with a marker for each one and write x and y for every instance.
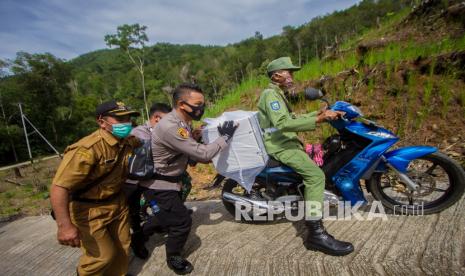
(329, 197)
(232, 198)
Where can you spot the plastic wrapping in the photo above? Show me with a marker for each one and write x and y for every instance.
(246, 156)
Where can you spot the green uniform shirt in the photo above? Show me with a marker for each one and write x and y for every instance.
(280, 125)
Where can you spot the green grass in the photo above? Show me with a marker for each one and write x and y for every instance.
(427, 94)
(462, 100)
(317, 68)
(397, 52)
(233, 98)
(446, 95)
(391, 56)
(311, 70)
(428, 89)
(21, 200)
(30, 197)
(371, 86)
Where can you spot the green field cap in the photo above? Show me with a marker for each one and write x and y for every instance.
(282, 63)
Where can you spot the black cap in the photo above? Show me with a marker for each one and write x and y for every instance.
(114, 108)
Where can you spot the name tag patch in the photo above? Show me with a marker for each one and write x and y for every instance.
(275, 105)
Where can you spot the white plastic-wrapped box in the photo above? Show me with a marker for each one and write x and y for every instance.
(246, 156)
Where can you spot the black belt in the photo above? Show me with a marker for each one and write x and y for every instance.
(173, 179)
(90, 200)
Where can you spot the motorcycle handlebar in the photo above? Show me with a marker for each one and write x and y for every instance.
(312, 94)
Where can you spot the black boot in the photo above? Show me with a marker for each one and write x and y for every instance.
(319, 240)
(179, 265)
(138, 245)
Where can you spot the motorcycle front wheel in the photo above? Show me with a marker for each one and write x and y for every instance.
(441, 183)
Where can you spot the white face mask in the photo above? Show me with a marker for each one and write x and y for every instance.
(288, 83)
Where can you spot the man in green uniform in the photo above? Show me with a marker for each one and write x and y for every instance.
(86, 197)
(281, 126)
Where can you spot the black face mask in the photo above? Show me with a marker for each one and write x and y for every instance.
(197, 111)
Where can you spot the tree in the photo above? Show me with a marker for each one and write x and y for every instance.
(6, 130)
(3, 68)
(294, 40)
(132, 39)
(43, 89)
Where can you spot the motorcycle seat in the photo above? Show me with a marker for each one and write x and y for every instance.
(273, 163)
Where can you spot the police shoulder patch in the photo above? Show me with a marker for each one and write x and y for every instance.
(275, 105)
(183, 133)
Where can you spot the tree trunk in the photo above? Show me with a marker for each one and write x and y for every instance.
(13, 148)
(215, 92)
(140, 67)
(143, 90)
(55, 134)
(17, 172)
(316, 48)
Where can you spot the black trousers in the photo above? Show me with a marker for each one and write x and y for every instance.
(133, 193)
(173, 217)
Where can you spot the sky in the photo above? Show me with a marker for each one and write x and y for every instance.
(69, 28)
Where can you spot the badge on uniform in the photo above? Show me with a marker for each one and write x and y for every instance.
(183, 133)
(275, 105)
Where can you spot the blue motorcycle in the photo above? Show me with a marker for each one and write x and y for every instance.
(408, 180)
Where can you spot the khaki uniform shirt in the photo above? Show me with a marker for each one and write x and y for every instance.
(279, 124)
(173, 146)
(93, 158)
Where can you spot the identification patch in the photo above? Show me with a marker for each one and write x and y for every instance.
(183, 133)
(275, 105)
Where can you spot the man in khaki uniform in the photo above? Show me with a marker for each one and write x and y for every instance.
(86, 197)
(173, 146)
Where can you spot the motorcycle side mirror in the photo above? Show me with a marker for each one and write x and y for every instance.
(313, 94)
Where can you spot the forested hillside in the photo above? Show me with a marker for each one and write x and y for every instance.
(59, 96)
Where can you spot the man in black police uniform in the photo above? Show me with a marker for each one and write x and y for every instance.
(173, 146)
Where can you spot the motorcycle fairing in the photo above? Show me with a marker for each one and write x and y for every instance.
(400, 158)
(347, 179)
